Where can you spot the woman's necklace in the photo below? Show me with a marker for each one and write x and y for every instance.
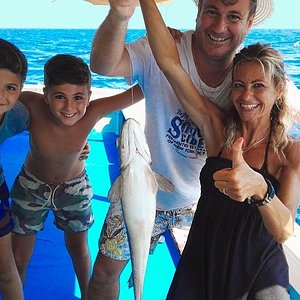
(257, 142)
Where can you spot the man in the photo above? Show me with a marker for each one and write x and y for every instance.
(176, 145)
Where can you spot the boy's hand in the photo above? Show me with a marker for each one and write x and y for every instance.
(85, 152)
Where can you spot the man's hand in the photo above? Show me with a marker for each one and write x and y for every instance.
(122, 9)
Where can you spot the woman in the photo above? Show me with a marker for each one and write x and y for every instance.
(250, 182)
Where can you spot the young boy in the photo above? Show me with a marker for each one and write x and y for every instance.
(14, 119)
(53, 177)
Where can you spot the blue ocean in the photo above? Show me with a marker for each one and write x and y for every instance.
(41, 44)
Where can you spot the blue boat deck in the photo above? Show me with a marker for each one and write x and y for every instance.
(50, 273)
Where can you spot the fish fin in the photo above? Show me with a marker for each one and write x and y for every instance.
(152, 182)
(163, 183)
(114, 193)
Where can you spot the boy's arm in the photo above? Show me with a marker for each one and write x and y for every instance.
(107, 105)
(28, 98)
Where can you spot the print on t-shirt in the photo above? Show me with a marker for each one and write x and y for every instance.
(185, 136)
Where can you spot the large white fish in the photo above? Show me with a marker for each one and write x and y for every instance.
(136, 187)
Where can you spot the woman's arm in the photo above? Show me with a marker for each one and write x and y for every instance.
(241, 182)
(206, 115)
(279, 216)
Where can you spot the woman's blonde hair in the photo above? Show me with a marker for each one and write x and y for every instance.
(280, 121)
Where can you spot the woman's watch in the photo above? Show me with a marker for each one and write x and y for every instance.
(267, 198)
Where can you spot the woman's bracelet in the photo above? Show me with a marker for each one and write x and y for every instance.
(267, 198)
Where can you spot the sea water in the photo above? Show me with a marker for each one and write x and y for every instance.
(41, 44)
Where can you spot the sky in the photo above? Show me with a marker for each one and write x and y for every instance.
(180, 14)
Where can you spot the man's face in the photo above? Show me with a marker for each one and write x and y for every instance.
(221, 28)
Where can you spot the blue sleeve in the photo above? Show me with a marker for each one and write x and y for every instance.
(1, 176)
(15, 121)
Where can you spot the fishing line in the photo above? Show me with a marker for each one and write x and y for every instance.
(130, 66)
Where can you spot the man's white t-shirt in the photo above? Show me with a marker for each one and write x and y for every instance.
(176, 144)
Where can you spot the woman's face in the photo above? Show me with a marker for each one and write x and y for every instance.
(253, 93)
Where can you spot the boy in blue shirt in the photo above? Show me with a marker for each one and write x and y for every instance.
(14, 118)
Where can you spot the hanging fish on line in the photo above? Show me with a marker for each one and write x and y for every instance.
(136, 188)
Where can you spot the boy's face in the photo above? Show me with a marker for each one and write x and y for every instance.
(10, 89)
(67, 102)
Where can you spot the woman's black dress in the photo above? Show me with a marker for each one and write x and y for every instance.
(229, 253)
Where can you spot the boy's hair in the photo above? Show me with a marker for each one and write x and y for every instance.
(64, 68)
(12, 59)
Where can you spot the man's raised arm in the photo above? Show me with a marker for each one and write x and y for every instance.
(108, 55)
